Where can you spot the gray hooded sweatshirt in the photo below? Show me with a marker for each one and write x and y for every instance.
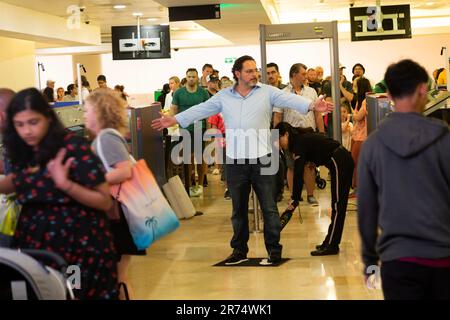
(404, 190)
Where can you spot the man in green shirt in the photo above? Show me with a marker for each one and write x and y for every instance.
(183, 99)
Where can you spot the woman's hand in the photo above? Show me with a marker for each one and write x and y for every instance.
(292, 206)
(59, 171)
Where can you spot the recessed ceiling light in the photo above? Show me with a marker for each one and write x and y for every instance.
(164, 24)
(152, 19)
(137, 14)
(430, 3)
(119, 6)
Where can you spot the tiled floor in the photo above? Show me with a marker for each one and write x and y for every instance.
(180, 265)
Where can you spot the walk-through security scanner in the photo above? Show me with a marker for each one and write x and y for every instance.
(146, 142)
(303, 31)
(308, 31)
(378, 108)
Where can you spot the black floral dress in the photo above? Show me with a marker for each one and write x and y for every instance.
(52, 221)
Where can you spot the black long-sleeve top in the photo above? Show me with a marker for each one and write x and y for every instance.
(309, 147)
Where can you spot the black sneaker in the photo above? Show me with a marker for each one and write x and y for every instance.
(274, 258)
(235, 258)
(227, 194)
(325, 251)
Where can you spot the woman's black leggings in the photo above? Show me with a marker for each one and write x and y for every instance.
(341, 171)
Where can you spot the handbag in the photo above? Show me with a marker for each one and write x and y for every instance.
(178, 198)
(147, 211)
(9, 215)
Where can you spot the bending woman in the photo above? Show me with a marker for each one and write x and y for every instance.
(306, 146)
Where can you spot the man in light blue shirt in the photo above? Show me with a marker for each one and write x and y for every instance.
(247, 111)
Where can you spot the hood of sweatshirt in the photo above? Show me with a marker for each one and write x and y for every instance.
(407, 134)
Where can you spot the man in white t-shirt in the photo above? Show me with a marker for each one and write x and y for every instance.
(297, 78)
(171, 139)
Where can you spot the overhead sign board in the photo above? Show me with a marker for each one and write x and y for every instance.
(380, 22)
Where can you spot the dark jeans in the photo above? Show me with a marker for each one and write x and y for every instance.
(240, 179)
(410, 281)
(281, 175)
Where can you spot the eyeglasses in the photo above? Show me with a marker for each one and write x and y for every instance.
(250, 71)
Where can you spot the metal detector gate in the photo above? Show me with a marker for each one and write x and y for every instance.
(303, 31)
(308, 31)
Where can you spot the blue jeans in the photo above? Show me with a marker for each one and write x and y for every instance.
(240, 179)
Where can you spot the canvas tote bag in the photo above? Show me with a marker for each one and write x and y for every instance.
(147, 211)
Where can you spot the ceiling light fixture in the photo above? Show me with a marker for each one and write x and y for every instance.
(137, 14)
(119, 6)
(430, 3)
(152, 19)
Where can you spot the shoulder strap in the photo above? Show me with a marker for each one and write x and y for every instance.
(101, 155)
(100, 152)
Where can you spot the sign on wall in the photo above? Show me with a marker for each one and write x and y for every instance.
(379, 23)
(151, 42)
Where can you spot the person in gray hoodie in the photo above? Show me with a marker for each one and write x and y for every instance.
(404, 193)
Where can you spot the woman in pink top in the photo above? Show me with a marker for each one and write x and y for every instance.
(359, 133)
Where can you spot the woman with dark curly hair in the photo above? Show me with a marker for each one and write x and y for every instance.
(61, 186)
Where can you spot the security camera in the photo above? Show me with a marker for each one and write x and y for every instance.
(176, 49)
(87, 22)
(352, 4)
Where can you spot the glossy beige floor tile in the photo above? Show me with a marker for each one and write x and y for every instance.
(180, 265)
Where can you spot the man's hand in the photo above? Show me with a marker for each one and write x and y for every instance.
(163, 122)
(323, 106)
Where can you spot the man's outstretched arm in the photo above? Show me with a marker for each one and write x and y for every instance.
(200, 111)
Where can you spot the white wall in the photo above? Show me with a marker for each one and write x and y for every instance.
(141, 76)
(93, 65)
(58, 69)
(146, 76)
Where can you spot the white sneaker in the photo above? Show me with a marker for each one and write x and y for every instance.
(216, 172)
(265, 262)
(199, 189)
